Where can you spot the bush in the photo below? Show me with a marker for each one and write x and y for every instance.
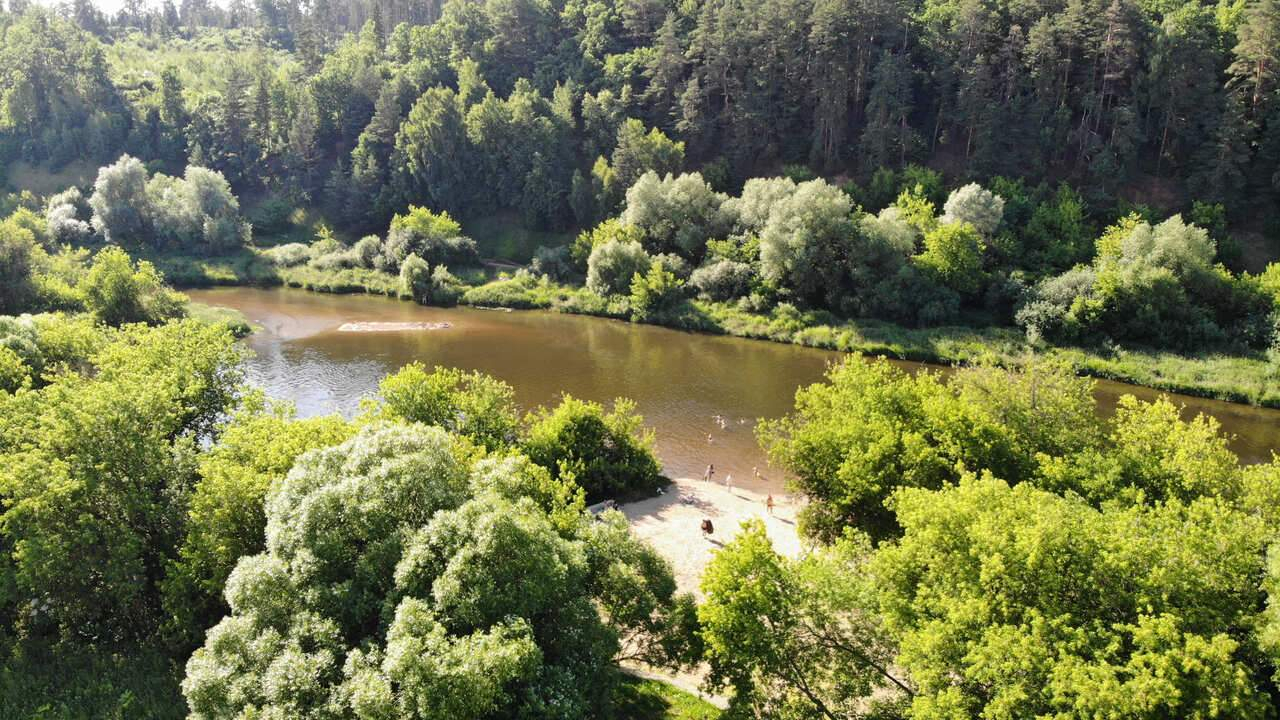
(121, 212)
(196, 212)
(366, 251)
(446, 288)
(18, 251)
(587, 240)
(613, 264)
(922, 181)
(338, 260)
(62, 216)
(124, 438)
(676, 214)
(324, 244)
(271, 217)
(609, 454)
(401, 581)
(974, 205)
(289, 255)
(1151, 284)
(472, 404)
(907, 296)
(673, 264)
(226, 520)
(798, 173)
(434, 237)
(117, 292)
(804, 245)
(14, 373)
(953, 257)
(553, 263)
(655, 293)
(723, 280)
(752, 208)
(415, 278)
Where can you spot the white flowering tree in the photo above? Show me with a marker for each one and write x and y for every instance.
(400, 581)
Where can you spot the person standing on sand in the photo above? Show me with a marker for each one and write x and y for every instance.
(711, 471)
(728, 481)
(768, 503)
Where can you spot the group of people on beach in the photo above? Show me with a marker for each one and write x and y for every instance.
(707, 526)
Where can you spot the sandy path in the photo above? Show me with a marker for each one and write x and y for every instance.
(671, 524)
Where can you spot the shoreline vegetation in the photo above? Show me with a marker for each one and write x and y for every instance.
(1231, 378)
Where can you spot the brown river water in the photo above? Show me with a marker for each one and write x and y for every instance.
(683, 383)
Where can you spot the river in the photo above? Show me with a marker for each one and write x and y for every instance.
(680, 381)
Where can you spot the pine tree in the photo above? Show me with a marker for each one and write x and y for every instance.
(172, 115)
(378, 24)
(1221, 164)
(1257, 57)
(832, 63)
(1182, 113)
(262, 120)
(665, 72)
(641, 17)
(887, 138)
(303, 154)
(232, 152)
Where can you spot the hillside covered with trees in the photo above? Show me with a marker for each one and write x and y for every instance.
(472, 106)
(1080, 176)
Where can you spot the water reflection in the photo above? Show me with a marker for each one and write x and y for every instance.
(680, 381)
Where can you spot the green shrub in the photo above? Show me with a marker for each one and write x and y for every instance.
(472, 404)
(609, 454)
(655, 293)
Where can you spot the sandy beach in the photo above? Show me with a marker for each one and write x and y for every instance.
(671, 523)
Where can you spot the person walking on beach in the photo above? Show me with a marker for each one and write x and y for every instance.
(768, 503)
(710, 473)
(728, 481)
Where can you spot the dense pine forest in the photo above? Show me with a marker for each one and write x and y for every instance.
(473, 106)
(1034, 193)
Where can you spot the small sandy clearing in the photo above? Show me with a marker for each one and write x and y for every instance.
(671, 523)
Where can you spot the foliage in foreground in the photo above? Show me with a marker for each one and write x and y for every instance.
(400, 581)
(873, 429)
(990, 547)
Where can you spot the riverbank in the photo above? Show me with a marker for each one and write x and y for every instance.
(1241, 379)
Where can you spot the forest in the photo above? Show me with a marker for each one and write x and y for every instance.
(1035, 193)
(852, 186)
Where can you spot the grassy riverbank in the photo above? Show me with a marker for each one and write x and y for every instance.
(1244, 379)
